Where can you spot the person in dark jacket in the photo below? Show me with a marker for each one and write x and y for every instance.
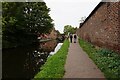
(71, 36)
(75, 38)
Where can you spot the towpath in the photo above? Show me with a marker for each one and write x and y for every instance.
(79, 65)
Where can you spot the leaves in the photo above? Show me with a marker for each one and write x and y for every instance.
(69, 29)
(108, 61)
(22, 21)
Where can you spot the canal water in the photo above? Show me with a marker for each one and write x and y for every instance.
(25, 62)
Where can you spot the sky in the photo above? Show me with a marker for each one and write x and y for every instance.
(69, 12)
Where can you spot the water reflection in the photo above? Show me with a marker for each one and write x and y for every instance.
(48, 46)
(56, 49)
(25, 62)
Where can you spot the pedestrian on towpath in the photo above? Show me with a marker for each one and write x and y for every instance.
(71, 36)
(75, 38)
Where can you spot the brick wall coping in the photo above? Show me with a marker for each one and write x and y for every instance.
(95, 9)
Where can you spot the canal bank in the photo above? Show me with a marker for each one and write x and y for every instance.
(54, 66)
(25, 62)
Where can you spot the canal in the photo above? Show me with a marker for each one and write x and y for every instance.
(25, 62)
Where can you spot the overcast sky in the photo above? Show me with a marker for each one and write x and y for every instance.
(69, 12)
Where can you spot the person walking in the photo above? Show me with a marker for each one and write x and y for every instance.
(71, 36)
(75, 38)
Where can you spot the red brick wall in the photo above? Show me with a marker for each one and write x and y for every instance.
(102, 28)
(53, 34)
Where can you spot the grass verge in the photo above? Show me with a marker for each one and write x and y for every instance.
(107, 61)
(54, 66)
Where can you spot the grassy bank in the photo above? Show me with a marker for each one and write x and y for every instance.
(106, 60)
(54, 66)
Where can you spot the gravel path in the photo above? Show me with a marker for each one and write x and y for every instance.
(79, 65)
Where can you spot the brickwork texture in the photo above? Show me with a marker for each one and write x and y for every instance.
(102, 26)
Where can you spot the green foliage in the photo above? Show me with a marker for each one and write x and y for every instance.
(54, 66)
(106, 60)
(69, 29)
(105, 52)
(22, 21)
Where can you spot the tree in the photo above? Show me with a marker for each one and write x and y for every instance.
(22, 21)
(82, 19)
(69, 29)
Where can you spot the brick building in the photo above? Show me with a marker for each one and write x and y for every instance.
(53, 34)
(102, 26)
